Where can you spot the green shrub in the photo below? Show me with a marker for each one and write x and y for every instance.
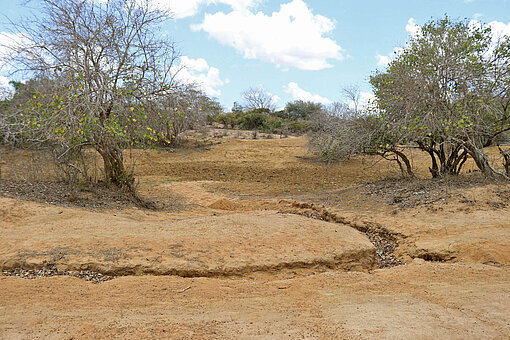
(253, 120)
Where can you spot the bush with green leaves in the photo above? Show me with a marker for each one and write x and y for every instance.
(253, 119)
(262, 120)
(301, 110)
(446, 93)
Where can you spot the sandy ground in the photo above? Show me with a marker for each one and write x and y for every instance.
(417, 301)
(265, 242)
(233, 244)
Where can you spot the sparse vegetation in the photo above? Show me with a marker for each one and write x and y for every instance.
(445, 93)
(294, 118)
(210, 224)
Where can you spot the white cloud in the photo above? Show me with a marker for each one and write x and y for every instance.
(199, 72)
(293, 36)
(7, 42)
(298, 93)
(187, 8)
(384, 60)
(412, 28)
(477, 16)
(6, 89)
(182, 8)
(499, 29)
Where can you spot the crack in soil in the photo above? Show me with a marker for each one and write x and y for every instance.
(435, 257)
(385, 241)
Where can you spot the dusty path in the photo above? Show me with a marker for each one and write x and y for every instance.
(265, 243)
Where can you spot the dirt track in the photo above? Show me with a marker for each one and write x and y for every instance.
(272, 244)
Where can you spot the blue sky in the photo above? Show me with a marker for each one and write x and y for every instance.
(296, 49)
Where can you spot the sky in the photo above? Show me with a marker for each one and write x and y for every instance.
(295, 49)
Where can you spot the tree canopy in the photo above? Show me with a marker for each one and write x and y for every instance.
(300, 109)
(99, 71)
(446, 93)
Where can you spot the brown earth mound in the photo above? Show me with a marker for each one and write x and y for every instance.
(236, 244)
(224, 204)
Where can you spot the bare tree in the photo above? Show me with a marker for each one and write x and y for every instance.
(353, 95)
(98, 68)
(340, 133)
(258, 98)
(186, 108)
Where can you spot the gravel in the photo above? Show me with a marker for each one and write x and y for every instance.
(386, 247)
(50, 271)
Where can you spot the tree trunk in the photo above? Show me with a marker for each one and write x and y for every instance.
(441, 164)
(442, 160)
(454, 159)
(115, 171)
(434, 170)
(506, 159)
(459, 162)
(482, 162)
(406, 161)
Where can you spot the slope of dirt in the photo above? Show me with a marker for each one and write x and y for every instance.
(235, 244)
(418, 301)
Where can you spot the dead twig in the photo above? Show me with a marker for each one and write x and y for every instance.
(182, 290)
